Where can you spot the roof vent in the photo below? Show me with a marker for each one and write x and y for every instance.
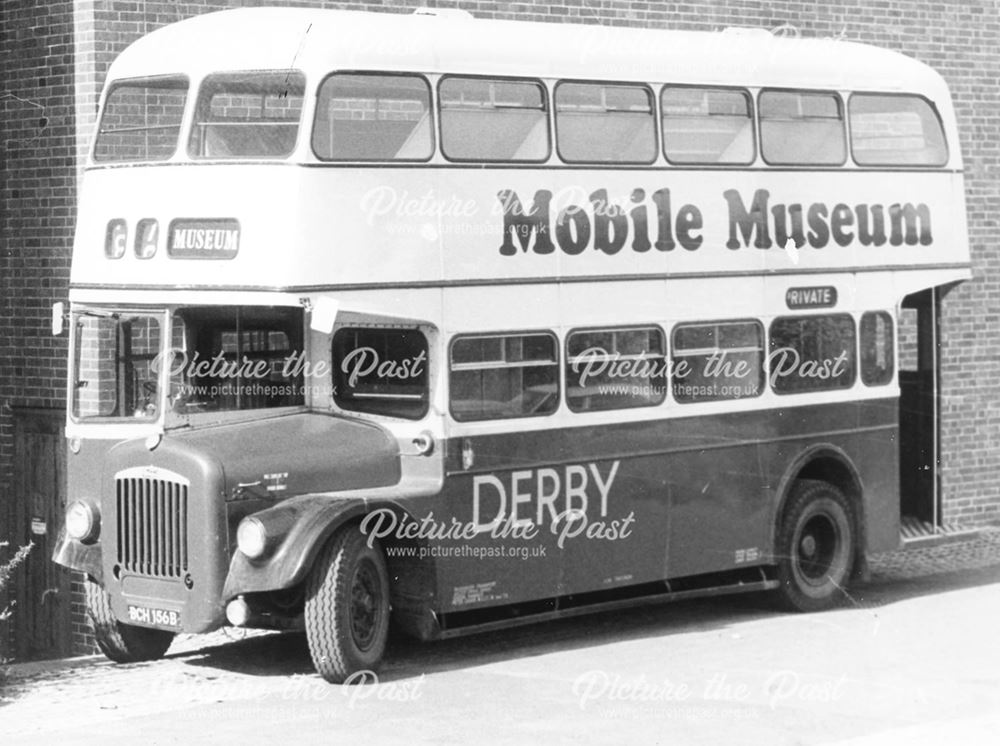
(786, 31)
(747, 31)
(455, 14)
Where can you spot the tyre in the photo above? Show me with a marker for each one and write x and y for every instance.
(122, 643)
(347, 606)
(814, 547)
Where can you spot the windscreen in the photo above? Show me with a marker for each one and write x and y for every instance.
(235, 358)
(115, 366)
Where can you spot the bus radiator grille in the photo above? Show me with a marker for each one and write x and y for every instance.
(152, 527)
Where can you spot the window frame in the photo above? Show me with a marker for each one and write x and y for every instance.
(898, 94)
(336, 371)
(763, 370)
(653, 111)
(557, 364)
(819, 390)
(754, 126)
(431, 112)
(121, 82)
(160, 315)
(546, 110)
(214, 321)
(845, 135)
(196, 104)
(566, 362)
(893, 356)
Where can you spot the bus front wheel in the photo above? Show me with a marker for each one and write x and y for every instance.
(815, 547)
(347, 606)
(122, 643)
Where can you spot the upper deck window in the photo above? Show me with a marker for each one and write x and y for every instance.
(247, 115)
(141, 119)
(493, 120)
(891, 130)
(601, 123)
(373, 117)
(799, 128)
(707, 125)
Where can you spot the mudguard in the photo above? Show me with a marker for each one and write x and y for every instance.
(302, 526)
(85, 558)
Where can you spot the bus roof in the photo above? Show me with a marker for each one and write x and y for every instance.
(320, 41)
(261, 225)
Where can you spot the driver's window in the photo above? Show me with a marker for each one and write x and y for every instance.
(383, 371)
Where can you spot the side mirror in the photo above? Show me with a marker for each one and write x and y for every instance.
(58, 318)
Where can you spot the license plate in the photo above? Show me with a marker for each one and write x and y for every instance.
(154, 617)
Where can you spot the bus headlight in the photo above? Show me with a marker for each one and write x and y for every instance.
(251, 537)
(82, 522)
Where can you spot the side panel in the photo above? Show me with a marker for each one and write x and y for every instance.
(449, 224)
(702, 493)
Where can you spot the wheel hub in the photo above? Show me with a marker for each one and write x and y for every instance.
(817, 548)
(364, 614)
(808, 546)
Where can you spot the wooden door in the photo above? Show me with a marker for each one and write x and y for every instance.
(39, 589)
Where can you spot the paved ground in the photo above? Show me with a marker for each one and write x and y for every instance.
(912, 659)
(927, 558)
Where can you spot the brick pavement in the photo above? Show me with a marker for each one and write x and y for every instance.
(951, 554)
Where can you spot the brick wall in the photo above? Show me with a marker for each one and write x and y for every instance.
(44, 44)
(37, 202)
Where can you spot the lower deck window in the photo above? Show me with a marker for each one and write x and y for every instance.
(381, 371)
(812, 353)
(615, 369)
(498, 377)
(877, 359)
(717, 360)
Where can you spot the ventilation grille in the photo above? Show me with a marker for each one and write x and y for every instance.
(152, 527)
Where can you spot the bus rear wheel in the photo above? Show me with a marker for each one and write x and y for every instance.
(815, 547)
(347, 607)
(122, 643)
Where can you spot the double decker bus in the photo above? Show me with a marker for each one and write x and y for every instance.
(468, 324)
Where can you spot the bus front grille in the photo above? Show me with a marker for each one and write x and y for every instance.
(152, 527)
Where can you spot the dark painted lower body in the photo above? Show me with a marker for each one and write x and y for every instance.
(703, 496)
(684, 498)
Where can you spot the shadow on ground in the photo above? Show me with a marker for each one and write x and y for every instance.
(287, 654)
